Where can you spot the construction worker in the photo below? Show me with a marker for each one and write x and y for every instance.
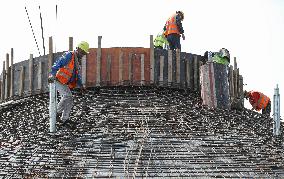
(160, 42)
(222, 57)
(173, 30)
(259, 101)
(65, 73)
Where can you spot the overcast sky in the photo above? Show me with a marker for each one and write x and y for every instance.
(252, 30)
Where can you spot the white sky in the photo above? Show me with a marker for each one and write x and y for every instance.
(252, 30)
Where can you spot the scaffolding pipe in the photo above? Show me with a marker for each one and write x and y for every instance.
(52, 107)
(276, 112)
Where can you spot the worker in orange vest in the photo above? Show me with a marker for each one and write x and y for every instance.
(65, 73)
(173, 30)
(259, 101)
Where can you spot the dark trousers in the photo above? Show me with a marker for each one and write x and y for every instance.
(174, 41)
(267, 109)
(159, 47)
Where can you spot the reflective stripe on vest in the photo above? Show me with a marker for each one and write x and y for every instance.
(65, 73)
(262, 101)
(171, 27)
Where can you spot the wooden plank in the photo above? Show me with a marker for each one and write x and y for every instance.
(142, 70)
(178, 66)
(195, 73)
(70, 43)
(170, 67)
(120, 68)
(50, 54)
(40, 76)
(236, 83)
(108, 68)
(99, 58)
(0, 89)
(7, 82)
(130, 71)
(3, 81)
(12, 74)
(84, 70)
(231, 82)
(235, 63)
(205, 92)
(22, 81)
(31, 68)
(161, 79)
(152, 60)
(241, 90)
(187, 65)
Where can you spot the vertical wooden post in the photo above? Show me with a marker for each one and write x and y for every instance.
(152, 60)
(178, 66)
(241, 90)
(130, 75)
(235, 63)
(50, 55)
(22, 81)
(236, 82)
(0, 89)
(142, 70)
(170, 67)
(109, 69)
(31, 70)
(120, 67)
(99, 55)
(235, 77)
(7, 82)
(39, 75)
(84, 70)
(70, 43)
(12, 73)
(3, 81)
(195, 75)
(187, 73)
(231, 82)
(161, 80)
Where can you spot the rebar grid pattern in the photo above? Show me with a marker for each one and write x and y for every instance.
(137, 132)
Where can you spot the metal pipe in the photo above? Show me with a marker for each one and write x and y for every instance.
(276, 112)
(52, 107)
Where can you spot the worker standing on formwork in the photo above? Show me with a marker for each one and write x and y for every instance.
(173, 30)
(65, 73)
(259, 101)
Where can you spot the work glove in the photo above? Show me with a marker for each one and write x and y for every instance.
(183, 37)
(51, 79)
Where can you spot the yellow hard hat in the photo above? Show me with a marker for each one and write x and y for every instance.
(84, 46)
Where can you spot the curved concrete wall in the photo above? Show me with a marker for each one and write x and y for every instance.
(122, 66)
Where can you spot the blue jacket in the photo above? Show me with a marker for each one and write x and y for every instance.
(63, 61)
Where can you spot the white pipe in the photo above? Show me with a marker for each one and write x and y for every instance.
(276, 112)
(52, 107)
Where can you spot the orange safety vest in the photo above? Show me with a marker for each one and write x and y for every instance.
(171, 26)
(262, 102)
(65, 73)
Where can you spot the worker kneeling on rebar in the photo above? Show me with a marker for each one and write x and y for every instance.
(65, 73)
(259, 101)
